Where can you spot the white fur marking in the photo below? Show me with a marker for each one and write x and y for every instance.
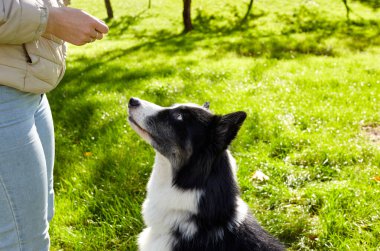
(241, 206)
(241, 214)
(150, 241)
(232, 161)
(166, 208)
(241, 211)
(139, 115)
(188, 105)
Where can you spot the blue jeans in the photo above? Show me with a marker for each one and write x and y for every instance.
(26, 170)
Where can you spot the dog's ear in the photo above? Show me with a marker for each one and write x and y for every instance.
(206, 105)
(228, 127)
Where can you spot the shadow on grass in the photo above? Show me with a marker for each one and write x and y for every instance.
(305, 33)
(374, 4)
(299, 37)
(120, 26)
(86, 74)
(75, 110)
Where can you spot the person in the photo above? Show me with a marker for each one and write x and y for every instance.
(32, 62)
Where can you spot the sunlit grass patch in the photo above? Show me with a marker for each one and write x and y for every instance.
(309, 82)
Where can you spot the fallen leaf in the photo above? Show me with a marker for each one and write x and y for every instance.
(313, 237)
(259, 175)
(87, 154)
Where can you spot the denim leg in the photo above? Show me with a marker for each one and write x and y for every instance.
(23, 174)
(45, 129)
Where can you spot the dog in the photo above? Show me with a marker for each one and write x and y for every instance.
(193, 201)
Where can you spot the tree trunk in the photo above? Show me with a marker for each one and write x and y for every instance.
(187, 16)
(109, 8)
(348, 10)
(248, 11)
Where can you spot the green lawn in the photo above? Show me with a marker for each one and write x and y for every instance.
(309, 82)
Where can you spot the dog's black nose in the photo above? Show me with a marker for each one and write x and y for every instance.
(134, 102)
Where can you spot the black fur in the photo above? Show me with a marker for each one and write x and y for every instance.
(196, 145)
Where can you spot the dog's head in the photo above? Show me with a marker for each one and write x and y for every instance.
(183, 131)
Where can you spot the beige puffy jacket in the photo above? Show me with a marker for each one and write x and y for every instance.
(30, 60)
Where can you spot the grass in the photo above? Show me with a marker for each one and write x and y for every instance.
(308, 81)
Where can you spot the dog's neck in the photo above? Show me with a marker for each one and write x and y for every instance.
(191, 177)
(212, 206)
(162, 170)
(220, 185)
(166, 207)
(203, 168)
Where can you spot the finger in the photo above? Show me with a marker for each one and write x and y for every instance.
(97, 35)
(101, 27)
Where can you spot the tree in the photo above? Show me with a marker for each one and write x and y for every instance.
(248, 11)
(187, 16)
(109, 8)
(348, 10)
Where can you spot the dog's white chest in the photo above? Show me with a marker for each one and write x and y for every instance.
(166, 208)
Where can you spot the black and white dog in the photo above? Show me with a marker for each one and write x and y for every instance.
(193, 200)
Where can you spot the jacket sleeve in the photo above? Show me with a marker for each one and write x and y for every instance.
(22, 21)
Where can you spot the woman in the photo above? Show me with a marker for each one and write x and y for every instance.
(32, 62)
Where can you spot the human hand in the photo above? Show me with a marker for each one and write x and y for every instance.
(75, 26)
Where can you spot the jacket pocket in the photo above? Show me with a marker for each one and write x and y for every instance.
(45, 70)
(45, 62)
(27, 56)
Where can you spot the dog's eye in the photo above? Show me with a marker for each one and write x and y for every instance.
(178, 116)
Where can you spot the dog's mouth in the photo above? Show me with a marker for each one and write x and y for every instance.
(130, 118)
(139, 129)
